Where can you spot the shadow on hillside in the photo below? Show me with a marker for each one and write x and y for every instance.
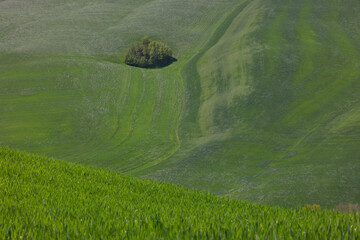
(162, 64)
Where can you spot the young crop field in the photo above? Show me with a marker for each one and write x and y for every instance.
(43, 198)
(263, 103)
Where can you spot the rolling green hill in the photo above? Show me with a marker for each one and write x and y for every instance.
(262, 104)
(43, 198)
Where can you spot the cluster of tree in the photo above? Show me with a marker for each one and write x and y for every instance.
(148, 54)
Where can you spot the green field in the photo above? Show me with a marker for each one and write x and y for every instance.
(42, 198)
(263, 103)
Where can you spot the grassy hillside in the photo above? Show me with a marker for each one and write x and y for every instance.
(42, 198)
(262, 104)
(66, 92)
(275, 114)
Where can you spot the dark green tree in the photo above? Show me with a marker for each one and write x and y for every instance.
(148, 54)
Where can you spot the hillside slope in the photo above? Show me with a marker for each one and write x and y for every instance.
(64, 88)
(42, 198)
(275, 117)
(262, 104)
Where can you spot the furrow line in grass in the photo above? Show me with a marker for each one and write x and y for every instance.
(179, 96)
(125, 100)
(157, 159)
(129, 151)
(173, 116)
(100, 148)
(123, 104)
(144, 158)
(152, 157)
(134, 149)
(174, 121)
(172, 111)
(134, 112)
(158, 106)
(188, 124)
(159, 97)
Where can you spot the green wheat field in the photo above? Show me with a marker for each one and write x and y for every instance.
(259, 115)
(43, 198)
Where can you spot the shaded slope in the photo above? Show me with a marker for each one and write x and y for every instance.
(44, 198)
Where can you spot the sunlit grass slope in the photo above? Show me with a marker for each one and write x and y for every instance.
(262, 104)
(43, 198)
(65, 91)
